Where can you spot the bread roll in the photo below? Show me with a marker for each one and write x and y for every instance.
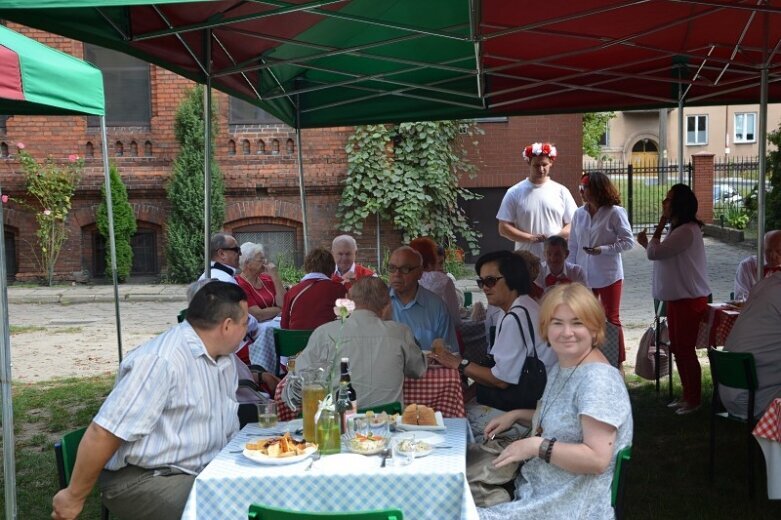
(419, 414)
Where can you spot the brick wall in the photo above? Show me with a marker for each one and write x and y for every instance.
(261, 184)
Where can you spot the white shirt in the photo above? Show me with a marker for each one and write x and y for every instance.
(172, 405)
(746, 277)
(680, 266)
(572, 271)
(537, 208)
(508, 350)
(440, 284)
(607, 230)
(221, 275)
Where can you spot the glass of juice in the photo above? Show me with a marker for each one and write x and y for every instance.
(267, 414)
(312, 395)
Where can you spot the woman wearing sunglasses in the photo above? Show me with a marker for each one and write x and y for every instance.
(504, 279)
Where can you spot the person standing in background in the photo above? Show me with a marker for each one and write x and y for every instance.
(680, 279)
(537, 207)
(600, 232)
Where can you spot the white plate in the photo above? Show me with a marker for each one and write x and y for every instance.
(346, 463)
(440, 426)
(421, 452)
(256, 456)
(428, 437)
(364, 448)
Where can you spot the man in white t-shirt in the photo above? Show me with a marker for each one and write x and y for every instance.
(537, 207)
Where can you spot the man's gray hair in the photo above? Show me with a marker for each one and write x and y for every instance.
(217, 242)
(344, 239)
(409, 250)
(249, 250)
(370, 293)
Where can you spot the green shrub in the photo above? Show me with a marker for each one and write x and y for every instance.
(773, 199)
(184, 240)
(124, 224)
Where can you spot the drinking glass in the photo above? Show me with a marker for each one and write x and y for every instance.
(401, 458)
(267, 414)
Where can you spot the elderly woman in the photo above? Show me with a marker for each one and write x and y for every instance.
(261, 282)
(581, 423)
(436, 281)
(680, 279)
(600, 233)
(504, 279)
(310, 303)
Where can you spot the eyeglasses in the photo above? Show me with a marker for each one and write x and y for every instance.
(488, 281)
(404, 269)
(236, 249)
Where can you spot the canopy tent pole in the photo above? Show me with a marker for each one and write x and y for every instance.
(9, 462)
(301, 191)
(207, 150)
(111, 237)
(762, 148)
(379, 252)
(680, 132)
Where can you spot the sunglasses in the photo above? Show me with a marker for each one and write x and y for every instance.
(404, 269)
(488, 281)
(236, 249)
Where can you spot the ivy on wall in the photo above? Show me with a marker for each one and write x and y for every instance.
(409, 174)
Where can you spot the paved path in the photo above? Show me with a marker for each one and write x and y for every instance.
(70, 330)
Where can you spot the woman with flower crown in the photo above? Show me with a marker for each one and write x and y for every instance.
(537, 207)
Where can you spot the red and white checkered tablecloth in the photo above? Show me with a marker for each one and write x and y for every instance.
(769, 426)
(717, 325)
(439, 388)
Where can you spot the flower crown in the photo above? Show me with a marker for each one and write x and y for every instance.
(538, 149)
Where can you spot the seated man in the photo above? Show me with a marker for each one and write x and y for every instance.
(344, 248)
(381, 352)
(171, 391)
(225, 253)
(758, 332)
(746, 275)
(421, 310)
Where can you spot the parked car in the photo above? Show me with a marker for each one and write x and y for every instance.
(726, 194)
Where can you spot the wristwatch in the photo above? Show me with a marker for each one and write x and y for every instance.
(463, 365)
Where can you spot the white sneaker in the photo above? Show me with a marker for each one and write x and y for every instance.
(685, 409)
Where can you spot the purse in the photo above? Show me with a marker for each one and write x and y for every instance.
(645, 363)
(531, 383)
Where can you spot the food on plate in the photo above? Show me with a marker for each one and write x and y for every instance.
(419, 414)
(279, 447)
(368, 443)
(413, 446)
(376, 419)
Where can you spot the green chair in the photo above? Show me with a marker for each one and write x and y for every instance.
(467, 298)
(390, 408)
(289, 343)
(260, 512)
(181, 316)
(734, 370)
(618, 488)
(65, 451)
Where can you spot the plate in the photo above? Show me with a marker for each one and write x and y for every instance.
(416, 448)
(431, 438)
(440, 426)
(346, 463)
(256, 456)
(364, 446)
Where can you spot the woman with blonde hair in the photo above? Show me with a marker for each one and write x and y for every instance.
(581, 423)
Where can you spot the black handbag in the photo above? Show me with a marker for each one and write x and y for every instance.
(531, 384)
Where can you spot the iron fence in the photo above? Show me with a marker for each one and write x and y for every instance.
(642, 186)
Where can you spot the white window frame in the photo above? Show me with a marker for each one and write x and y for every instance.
(697, 141)
(745, 117)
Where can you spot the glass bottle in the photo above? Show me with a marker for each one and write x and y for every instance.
(329, 435)
(344, 406)
(345, 377)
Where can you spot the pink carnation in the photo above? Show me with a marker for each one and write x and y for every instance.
(20, 145)
(47, 212)
(73, 157)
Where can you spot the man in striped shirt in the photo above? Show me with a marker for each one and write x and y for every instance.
(172, 409)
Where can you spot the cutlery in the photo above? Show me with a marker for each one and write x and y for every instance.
(385, 454)
(442, 447)
(315, 456)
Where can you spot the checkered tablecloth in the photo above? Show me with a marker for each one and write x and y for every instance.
(717, 325)
(769, 426)
(262, 351)
(439, 389)
(433, 487)
(768, 435)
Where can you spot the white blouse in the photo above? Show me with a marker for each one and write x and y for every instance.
(680, 266)
(610, 232)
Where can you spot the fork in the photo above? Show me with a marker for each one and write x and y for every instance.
(315, 456)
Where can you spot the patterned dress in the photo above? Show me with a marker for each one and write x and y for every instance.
(545, 491)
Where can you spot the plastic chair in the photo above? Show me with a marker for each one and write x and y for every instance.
(289, 343)
(181, 316)
(467, 298)
(618, 488)
(261, 512)
(734, 370)
(65, 451)
(390, 408)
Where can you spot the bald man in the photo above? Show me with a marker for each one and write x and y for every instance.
(746, 276)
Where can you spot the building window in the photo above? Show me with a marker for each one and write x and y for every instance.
(243, 113)
(745, 127)
(126, 86)
(10, 254)
(279, 242)
(144, 246)
(604, 139)
(3, 119)
(696, 130)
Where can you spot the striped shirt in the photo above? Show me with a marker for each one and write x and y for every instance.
(172, 404)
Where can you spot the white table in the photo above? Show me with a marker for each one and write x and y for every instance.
(262, 351)
(433, 487)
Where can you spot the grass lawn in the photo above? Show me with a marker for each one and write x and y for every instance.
(668, 476)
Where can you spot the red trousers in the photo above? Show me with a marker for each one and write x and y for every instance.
(610, 297)
(683, 321)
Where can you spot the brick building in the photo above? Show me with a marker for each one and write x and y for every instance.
(258, 159)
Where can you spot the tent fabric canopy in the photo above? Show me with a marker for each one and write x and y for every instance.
(36, 79)
(362, 61)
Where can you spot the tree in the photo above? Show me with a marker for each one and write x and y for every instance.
(594, 127)
(773, 199)
(51, 186)
(408, 174)
(124, 224)
(184, 244)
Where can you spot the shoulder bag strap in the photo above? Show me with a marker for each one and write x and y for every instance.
(531, 328)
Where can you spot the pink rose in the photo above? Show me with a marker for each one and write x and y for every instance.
(20, 145)
(73, 157)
